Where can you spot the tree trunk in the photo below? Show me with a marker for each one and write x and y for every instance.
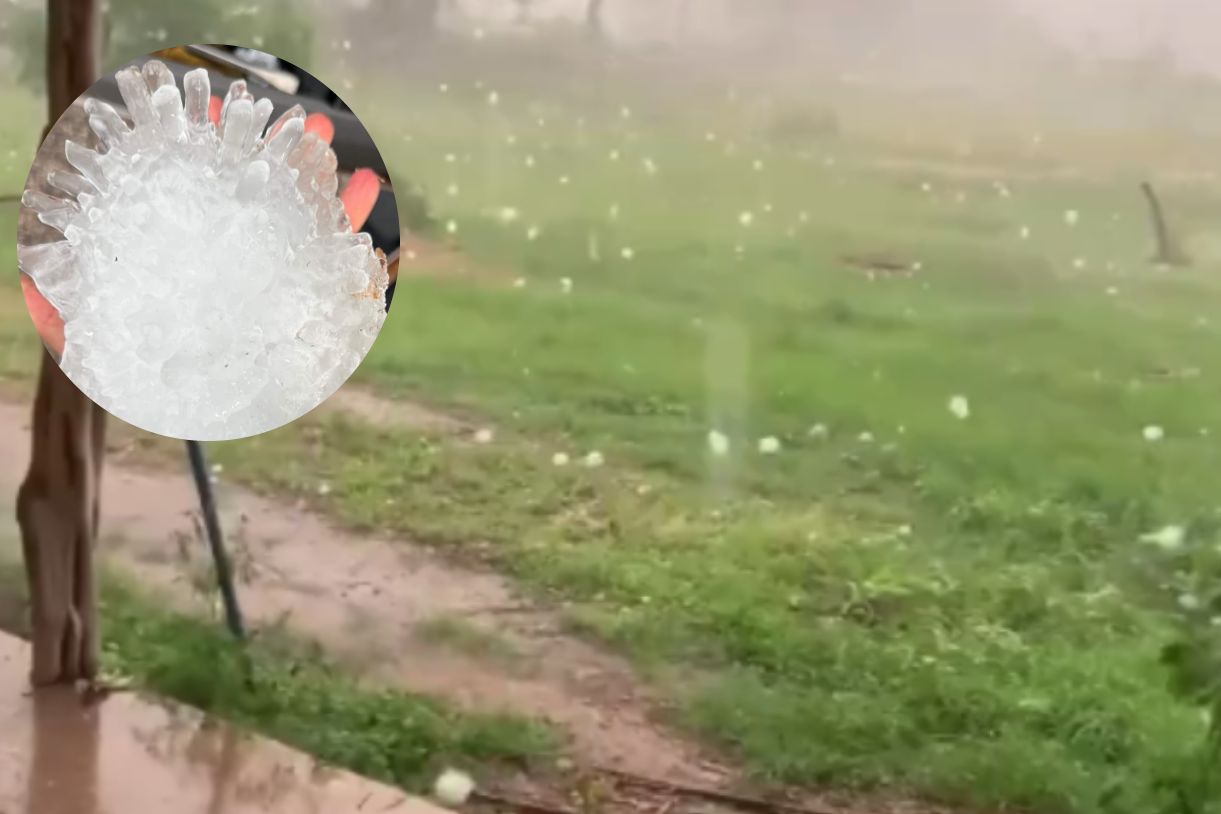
(57, 504)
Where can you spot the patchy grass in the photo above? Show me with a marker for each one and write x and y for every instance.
(469, 638)
(285, 690)
(911, 600)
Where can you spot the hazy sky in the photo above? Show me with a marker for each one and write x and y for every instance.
(1190, 27)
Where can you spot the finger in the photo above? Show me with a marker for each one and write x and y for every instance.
(47, 321)
(214, 105)
(360, 196)
(321, 124)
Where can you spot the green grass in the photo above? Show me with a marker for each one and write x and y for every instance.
(944, 610)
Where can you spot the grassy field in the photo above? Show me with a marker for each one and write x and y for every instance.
(946, 606)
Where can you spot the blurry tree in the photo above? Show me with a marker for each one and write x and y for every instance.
(137, 27)
(593, 18)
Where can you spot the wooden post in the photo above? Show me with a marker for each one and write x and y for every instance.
(57, 504)
(1168, 252)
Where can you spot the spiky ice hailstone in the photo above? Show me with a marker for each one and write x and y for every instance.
(209, 281)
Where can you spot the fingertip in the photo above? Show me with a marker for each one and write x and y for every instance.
(321, 124)
(214, 104)
(47, 321)
(360, 196)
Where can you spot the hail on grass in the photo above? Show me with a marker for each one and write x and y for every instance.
(718, 443)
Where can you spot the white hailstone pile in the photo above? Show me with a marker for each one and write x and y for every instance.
(209, 281)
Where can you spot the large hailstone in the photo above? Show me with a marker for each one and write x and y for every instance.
(209, 281)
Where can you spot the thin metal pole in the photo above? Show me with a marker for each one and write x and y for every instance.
(224, 574)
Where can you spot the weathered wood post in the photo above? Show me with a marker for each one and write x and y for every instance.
(57, 504)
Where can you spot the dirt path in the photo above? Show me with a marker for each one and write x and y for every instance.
(371, 601)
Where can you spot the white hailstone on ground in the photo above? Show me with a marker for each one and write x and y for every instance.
(450, 158)
(529, 161)
(324, 488)
(926, 187)
(1190, 602)
(452, 190)
(1168, 538)
(650, 166)
(627, 253)
(865, 437)
(1079, 263)
(451, 226)
(217, 469)
(594, 459)
(1112, 291)
(625, 112)
(453, 788)
(758, 165)
(559, 459)
(520, 282)
(564, 179)
(710, 136)
(960, 407)
(209, 281)
(803, 216)
(614, 155)
(718, 442)
(746, 218)
(507, 214)
(818, 431)
(566, 285)
(1153, 433)
(769, 445)
(510, 139)
(479, 33)
(1071, 217)
(1024, 232)
(347, 46)
(532, 233)
(493, 98)
(613, 211)
(484, 435)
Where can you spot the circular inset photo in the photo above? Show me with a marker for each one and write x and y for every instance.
(207, 242)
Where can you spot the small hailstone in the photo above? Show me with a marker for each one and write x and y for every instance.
(450, 158)
(1112, 291)
(1153, 433)
(594, 459)
(507, 214)
(1071, 217)
(484, 435)
(1079, 263)
(324, 488)
(559, 459)
(566, 285)
(532, 233)
(217, 469)
(865, 437)
(650, 167)
(613, 211)
(803, 216)
(818, 431)
(710, 136)
(613, 155)
(758, 165)
(627, 253)
(520, 282)
(1190, 602)
(718, 442)
(493, 98)
(453, 788)
(1024, 232)
(625, 112)
(960, 408)
(529, 161)
(926, 187)
(452, 190)
(1168, 538)
(564, 180)
(904, 530)
(746, 218)
(451, 226)
(347, 46)
(769, 445)
(767, 207)
(480, 33)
